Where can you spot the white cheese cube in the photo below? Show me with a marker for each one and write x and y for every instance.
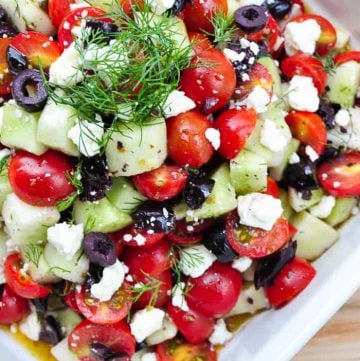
(324, 208)
(178, 299)
(177, 103)
(258, 99)
(30, 326)
(242, 264)
(302, 94)
(220, 334)
(145, 322)
(274, 138)
(213, 136)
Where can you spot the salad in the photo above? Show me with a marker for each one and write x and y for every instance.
(167, 167)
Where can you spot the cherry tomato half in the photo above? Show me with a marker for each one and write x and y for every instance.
(272, 188)
(200, 41)
(5, 75)
(347, 56)
(12, 307)
(58, 9)
(70, 300)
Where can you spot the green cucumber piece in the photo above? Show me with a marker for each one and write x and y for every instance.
(248, 172)
(313, 236)
(100, 216)
(19, 129)
(68, 319)
(298, 204)
(5, 187)
(341, 211)
(288, 211)
(269, 63)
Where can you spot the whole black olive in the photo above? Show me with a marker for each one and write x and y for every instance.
(51, 331)
(216, 242)
(327, 112)
(3, 15)
(40, 304)
(196, 191)
(279, 8)
(328, 153)
(100, 249)
(177, 7)
(29, 77)
(16, 61)
(7, 30)
(251, 18)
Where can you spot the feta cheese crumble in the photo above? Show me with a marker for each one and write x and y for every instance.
(242, 264)
(324, 208)
(274, 138)
(178, 299)
(259, 210)
(342, 118)
(294, 158)
(167, 332)
(258, 99)
(302, 94)
(213, 136)
(4, 153)
(220, 335)
(149, 356)
(145, 322)
(201, 255)
(30, 326)
(160, 6)
(176, 103)
(66, 238)
(233, 55)
(310, 152)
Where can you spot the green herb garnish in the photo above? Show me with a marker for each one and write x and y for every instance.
(224, 28)
(33, 253)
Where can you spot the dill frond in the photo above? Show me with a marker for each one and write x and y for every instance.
(224, 28)
(3, 164)
(33, 253)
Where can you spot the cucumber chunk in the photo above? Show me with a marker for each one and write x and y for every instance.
(269, 63)
(25, 223)
(100, 216)
(68, 319)
(341, 211)
(298, 204)
(313, 236)
(248, 172)
(288, 211)
(5, 187)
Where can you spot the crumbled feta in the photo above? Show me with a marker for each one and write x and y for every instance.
(178, 299)
(145, 322)
(30, 326)
(251, 2)
(324, 208)
(274, 138)
(233, 56)
(302, 94)
(342, 38)
(342, 118)
(4, 152)
(259, 210)
(242, 264)
(177, 103)
(149, 356)
(294, 159)
(258, 99)
(213, 136)
(160, 6)
(301, 37)
(204, 260)
(78, 4)
(112, 278)
(220, 335)
(61, 351)
(167, 332)
(310, 152)
(66, 238)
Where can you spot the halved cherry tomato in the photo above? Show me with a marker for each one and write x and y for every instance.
(162, 183)
(195, 327)
(70, 300)
(58, 9)
(186, 140)
(210, 82)
(5, 75)
(19, 281)
(39, 49)
(306, 65)
(106, 312)
(309, 128)
(292, 230)
(235, 127)
(255, 242)
(272, 188)
(201, 42)
(347, 56)
(116, 337)
(300, 3)
(272, 34)
(12, 307)
(178, 350)
(40, 180)
(216, 291)
(291, 280)
(328, 33)
(341, 176)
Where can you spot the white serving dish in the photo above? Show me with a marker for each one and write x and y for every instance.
(279, 335)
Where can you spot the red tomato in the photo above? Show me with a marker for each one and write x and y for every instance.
(292, 230)
(106, 312)
(210, 82)
(272, 188)
(214, 293)
(178, 350)
(19, 281)
(5, 76)
(40, 180)
(291, 280)
(347, 56)
(255, 242)
(272, 34)
(341, 176)
(309, 128)
(162, 183)
(200, 41)
(58, 9)
(195, 327)
(37, 47)
(116, 337)
(306, 65)
(235, 127)
(151, 260)
(328, 33)
(186, 140)
(198, 14)
(70, 300)
(300, 3)
(12, 307)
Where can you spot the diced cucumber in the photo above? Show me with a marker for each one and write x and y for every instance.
(100, 216)
(25, 223)
(221, 200)
(344, 84)
(288, 211)
(3, 253)
(248, 172)
(61, 351)
(298, 204)
(73, 270)
(124, 196)
(269, 63)
(342, 211)
(68, 319)
(138, 355)
(5, 187)
(19, 129)
(180, 210)
(167, 332)
(135, 149)
(313, 236)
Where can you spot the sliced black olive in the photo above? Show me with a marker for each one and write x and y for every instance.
(55, 303)
(7, 30)
(25, 78)
(279, 8)
(177, 7)
(327, 112)
(94, 274)
(101, 351)
(196, 191)
(141, 345)
(251, 18)
(107, 29)
(120, 356)
(155, 217)
(268, 268)
(100, 249)
(16, 61)
(216, 242)
(51, 330)
(40, 304)
(328, 153)
(3, 15)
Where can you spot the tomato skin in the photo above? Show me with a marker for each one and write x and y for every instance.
(341, 176)
(259, 243)
(215, 292)
(347, 56)
(291, 280)
(162, 183)
(186, 140)
(58, 9)
(12, 307)
(272, 188)
(20, 282)
(6, 76)
(150, 239)
(235, 127)
(117, 337)
(195, 327)
(70, 300)
(212, 86)
(309, 128)
(40, 180)
(201, 42)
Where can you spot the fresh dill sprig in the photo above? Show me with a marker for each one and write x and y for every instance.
(152, 286)
(3, 164)
(224, 27)
(329, 64)
(33, 253)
